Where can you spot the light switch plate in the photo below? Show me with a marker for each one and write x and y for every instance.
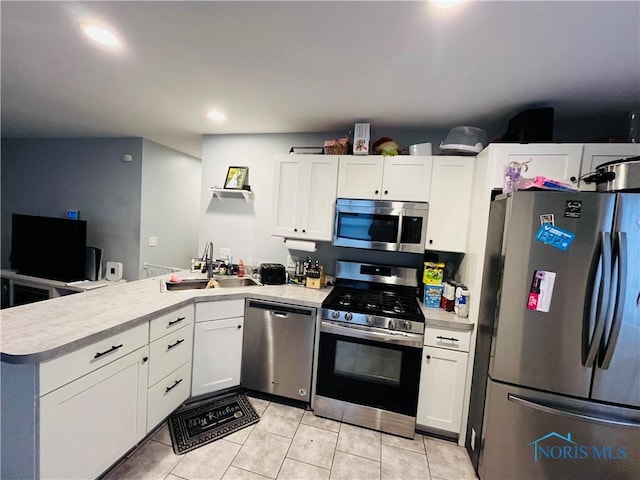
(225, 254)
(153, 241)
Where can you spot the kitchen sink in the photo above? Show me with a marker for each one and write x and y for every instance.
(236, 282)
(222, 282)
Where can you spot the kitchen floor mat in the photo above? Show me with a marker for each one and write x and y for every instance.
(195, 425)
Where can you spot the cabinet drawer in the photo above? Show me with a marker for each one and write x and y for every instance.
(445, 338)
(218, 310)
(170, 322)
(59, 371)
(169, 352)
(167, 395)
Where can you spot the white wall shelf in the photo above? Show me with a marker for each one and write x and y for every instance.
(226, 192)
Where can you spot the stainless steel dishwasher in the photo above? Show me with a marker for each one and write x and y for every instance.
(277, 349)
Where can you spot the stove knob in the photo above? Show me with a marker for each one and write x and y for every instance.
(406, 325)
(391, 325)
(335, 314)
(348, 316)
(371, 320)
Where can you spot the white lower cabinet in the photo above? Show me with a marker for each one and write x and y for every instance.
(168, 394)
(86, 425)
(217, 347)
(169, 369)
(442, 379)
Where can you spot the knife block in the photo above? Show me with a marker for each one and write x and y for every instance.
(315, 278)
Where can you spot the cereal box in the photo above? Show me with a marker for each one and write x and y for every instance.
(432, 295)
(433, 273)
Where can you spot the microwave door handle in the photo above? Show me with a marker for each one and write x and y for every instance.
(399, 234)
(621, 291)
(604, 291)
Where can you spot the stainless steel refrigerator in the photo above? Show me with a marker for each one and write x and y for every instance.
(556, 383)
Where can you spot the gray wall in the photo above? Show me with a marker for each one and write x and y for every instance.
(50, 176)
(244, 227)
(170, 207)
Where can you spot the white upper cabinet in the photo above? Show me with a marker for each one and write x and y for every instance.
(450, 203)
(360, 177)
(304, 196)
(557, 161)
(375, 177)
(595, 154)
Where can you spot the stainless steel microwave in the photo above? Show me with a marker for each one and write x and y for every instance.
(381, 225)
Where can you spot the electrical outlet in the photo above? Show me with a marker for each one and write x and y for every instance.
(153, 241)
(225, 254)
(291, 261)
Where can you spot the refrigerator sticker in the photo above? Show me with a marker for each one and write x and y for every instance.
(555, 236)
(541, 291)
(547, 218)
(573, 208)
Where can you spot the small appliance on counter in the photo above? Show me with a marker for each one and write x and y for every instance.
(272, 274)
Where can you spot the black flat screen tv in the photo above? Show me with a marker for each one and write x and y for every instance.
(48, 247)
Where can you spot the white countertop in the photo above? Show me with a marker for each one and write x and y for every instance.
(44, 330)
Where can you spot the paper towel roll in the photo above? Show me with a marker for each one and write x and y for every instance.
(301, 245)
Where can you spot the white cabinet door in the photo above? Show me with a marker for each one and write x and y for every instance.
(318, 199)
(595, 154)
(407, 178)
(360, 177)
(286, 195)
(450, 203)
(441, 389)
(556, 161)
(375, 177)
(89, 423)
(217, 355)
(304, 196)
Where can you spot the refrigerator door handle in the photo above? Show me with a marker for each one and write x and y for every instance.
(567, 413)
(603, 293)
(621, 291)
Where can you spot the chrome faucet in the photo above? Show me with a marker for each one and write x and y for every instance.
(208, 258)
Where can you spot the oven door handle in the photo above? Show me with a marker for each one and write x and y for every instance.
(399, 338)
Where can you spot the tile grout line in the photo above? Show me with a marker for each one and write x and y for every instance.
(290, 444)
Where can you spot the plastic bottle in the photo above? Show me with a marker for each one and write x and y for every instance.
(241, 268)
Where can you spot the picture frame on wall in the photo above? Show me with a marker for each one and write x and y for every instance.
(236, 178)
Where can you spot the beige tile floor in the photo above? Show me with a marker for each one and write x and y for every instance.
(292, 444)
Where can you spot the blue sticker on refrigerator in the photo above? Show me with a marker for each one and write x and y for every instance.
(555, 236)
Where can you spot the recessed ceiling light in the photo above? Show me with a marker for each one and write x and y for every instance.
(217, 116)
(101, 35)
(447, 3)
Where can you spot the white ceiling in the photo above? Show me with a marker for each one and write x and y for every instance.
(311, 66)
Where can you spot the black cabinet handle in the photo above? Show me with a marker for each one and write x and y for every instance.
(428, 357)
(295, 229)
(377, 192)
(112, 349)
(239, 327)
(448, 338)
(386, 192)
(179, 319)
(430, 241)
(175, 384)
(304, 231)
(178, 342)
(573, 179)
(144, 359)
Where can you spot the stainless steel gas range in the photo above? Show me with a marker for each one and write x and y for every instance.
(369, 357)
